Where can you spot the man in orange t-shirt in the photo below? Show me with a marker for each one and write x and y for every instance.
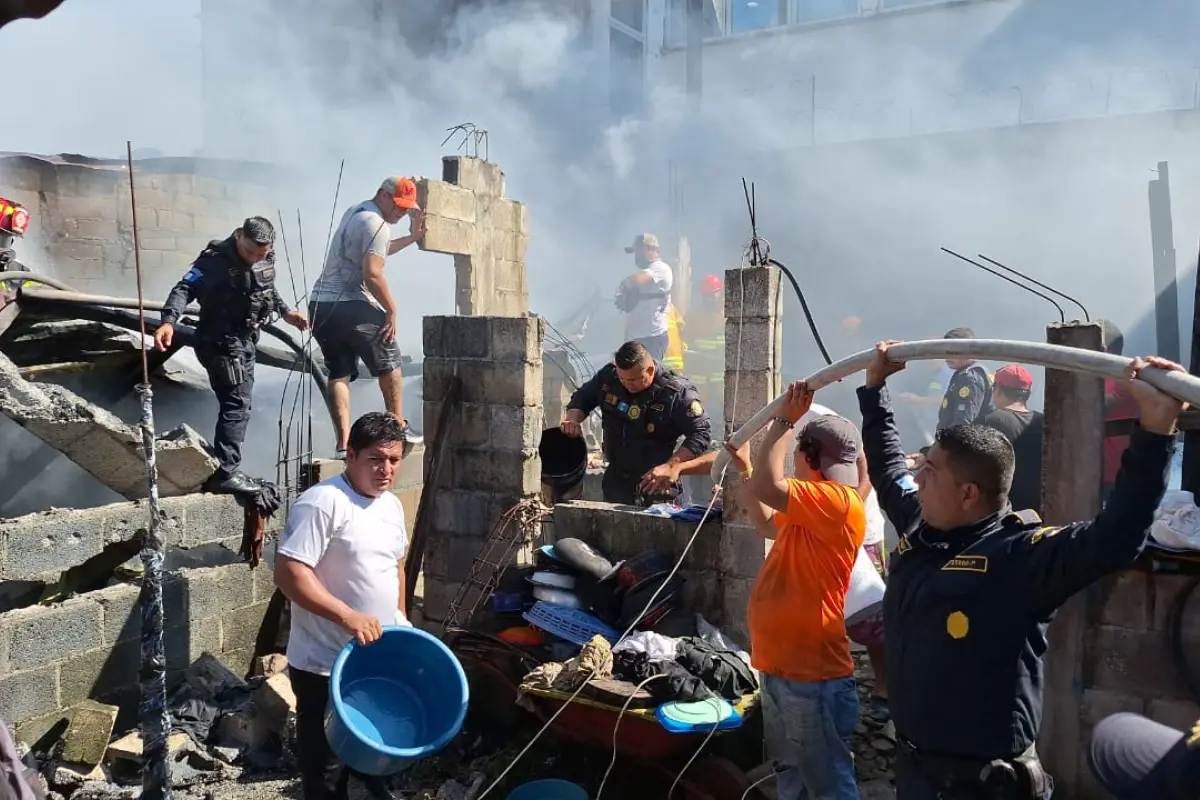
(797, 607)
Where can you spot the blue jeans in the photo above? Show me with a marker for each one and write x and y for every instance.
(657, 345)
(808, 727)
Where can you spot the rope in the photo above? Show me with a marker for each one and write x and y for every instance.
(617, 727)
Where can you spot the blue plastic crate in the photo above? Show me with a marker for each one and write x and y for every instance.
(569, 623)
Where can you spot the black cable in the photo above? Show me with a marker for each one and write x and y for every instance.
(812, 325)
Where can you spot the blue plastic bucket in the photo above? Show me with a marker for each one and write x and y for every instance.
(549, 790)
(394, 701)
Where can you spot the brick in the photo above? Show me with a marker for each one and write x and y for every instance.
(466, 337)
(87, 736)
(510, 245)
(218, 591)
(274, 701)
(175, 221)
(516, 338)
(1132, 662)
(87, 207)
(733, 608)
(172, 183)
(513, 383)
(449, 236)
(211, 188)
(240, 628)
(100, 672)
(269, 665)
(581, 520)
(1127, 601)
(515, 428)
(482, 177)
(446, 200)
(468, 426)
(439, 594)
(93, 229)
(509, 215)
(510, 276)
(44, 635)
(120, 613)
(51, 726)
(185, 642)
(158, 242)
(76, 250)
(752, 293)
(29, 694)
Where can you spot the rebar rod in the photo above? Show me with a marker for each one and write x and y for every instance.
(1071, 359)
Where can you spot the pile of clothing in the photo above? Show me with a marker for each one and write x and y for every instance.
(689, 669)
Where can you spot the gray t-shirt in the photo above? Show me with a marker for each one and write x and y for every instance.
(362, 230)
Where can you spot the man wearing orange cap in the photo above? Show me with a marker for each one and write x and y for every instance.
(351, 307)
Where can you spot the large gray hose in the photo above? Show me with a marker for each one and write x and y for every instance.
(21, 277)
(1071, 359)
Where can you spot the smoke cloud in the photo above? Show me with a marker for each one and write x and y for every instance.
(1024, 130)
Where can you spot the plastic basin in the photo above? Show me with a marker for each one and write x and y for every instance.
(549, 790)
(394, 701)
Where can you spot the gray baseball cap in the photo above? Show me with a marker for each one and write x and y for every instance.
(642, 239)
(838, 443)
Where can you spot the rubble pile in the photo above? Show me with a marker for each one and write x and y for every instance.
(874, 741)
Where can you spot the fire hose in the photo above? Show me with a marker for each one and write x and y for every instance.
(1179, 385)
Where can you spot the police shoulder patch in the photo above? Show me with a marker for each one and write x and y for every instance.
(192, 275)
(964, 392)
(1022, 518)
(1043, 533)
(695, 409)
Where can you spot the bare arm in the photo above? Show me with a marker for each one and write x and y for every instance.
(767, 483)
(376, 284)
(700, 465)
(864, 478)
(300, 584)
(403, 582)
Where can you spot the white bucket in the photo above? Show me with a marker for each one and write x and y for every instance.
(865, 594)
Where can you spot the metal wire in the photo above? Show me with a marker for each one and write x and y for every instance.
(1062, 315)
(1051, 289)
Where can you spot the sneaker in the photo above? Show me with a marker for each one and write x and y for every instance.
(339, 455)
(411, 438)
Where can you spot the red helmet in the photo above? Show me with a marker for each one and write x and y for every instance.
(711, 284)
(14, 218)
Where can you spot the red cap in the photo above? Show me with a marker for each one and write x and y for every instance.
(711, 285)
(1014, 377)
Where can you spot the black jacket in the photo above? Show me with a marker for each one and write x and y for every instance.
(966, 611)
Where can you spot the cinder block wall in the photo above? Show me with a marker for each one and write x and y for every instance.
(492, 461)
(1127, 664)
(53, 657)
(81, 229)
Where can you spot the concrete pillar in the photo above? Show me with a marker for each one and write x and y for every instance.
(1072, 459)
(753, 342)
(492, 460)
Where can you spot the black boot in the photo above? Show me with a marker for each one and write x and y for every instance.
(221, 482)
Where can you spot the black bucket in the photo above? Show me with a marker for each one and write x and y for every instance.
(564, 459)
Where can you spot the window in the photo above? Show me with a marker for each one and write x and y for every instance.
(627, 75)
(754, 15)
(820, 10)
(903, 3)
(629, 12)
(677, 20)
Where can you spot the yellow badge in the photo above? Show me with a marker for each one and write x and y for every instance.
(903, 546)
(964, 392)
(1043, 533)
(635, 412)
(945, 403)
(650, 428)
(1194, 736)
(695, 409)
(957, 625)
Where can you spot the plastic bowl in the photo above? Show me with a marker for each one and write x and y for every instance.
(395, 701)
(549, 790)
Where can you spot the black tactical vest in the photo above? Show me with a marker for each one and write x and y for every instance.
(240, 299)
(638, 430)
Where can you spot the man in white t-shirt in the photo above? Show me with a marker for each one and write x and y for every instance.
(645, 296)
(341, 564)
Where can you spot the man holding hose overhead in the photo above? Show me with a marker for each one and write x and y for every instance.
(973, 586)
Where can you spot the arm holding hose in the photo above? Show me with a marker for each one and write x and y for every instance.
(886, 459)
(1058, 562)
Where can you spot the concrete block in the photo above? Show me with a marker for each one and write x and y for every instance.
(121, 618)
(466, 337)
(44, 544)
(736, 601)
(190, 203)
(449, 236)
(100, 672)
(129, 747)
(103, 229)
(25, 695)
(510, 276)
(185, 642)
(174, 182)
(481, 177)
(517, 338)
(239, 628)
(513, 383)
(1127, 601)
(1132, 662)
(509, 215)
(751, 388)
(218, 591)
(211, 188)
(510, 473)
(211, 518)
(449, 557)
(412, 470)
(515, 427)
(158, 242)
(760, 345)
(175, 221)
(1166, 590)
(510, 246)
(87, 737)
(741, 551)
(123, 521)
(266, 666)
(1179, 714)
(439, 594)
(703, 593)
(76, 250)
(410, 500)
(442, 199)
(752, 292)
(1099, 703)
(469, 424)
(582, 519)
(274, 701)
(42, 635)
(87, 207)
(51, 726)
(464, 513)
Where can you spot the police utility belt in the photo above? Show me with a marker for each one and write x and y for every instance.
(962, 778)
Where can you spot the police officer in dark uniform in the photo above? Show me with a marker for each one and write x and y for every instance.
(972, 586)
(968, 396)
(234, 282)
(645, 410)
